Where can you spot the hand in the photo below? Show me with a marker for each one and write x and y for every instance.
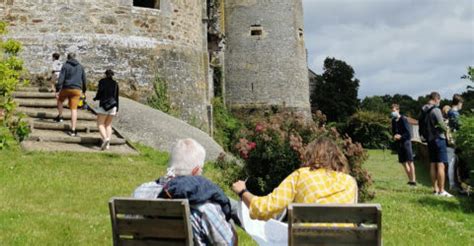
(238, 186)
(56, 95)
(397, 136)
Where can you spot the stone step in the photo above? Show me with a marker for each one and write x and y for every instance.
(62, 137)
(31, 94)
(38, 103)
(51, 113)
(82, 126)
(65, 147)
(34, 89)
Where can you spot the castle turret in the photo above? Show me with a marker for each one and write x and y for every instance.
(265, 62)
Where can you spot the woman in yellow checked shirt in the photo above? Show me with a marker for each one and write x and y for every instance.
(323, 179)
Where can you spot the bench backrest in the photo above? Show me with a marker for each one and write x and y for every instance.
(365, 224)
(150, 222)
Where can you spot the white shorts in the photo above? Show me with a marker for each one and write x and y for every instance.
(112, 111)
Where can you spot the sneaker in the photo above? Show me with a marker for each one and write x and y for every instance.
(59, 118)
(444, 194)
(411, 183)
(72, 133)
(104, 144)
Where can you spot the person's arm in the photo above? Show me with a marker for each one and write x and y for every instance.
(62, 78)
(99, 91)
(117, 96)
(440, 124)
(267, 207)
(406, 129)
(84, 83)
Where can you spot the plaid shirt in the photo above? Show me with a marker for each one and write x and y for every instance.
(305, 186)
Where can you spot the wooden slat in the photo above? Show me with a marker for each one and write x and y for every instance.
(149, 242)
(333, 241)
(152, 228)
(164, 208)
(360, 213)
(331, 235)
(351, 233)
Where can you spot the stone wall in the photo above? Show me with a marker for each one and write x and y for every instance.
(137, 43)
(265, 60)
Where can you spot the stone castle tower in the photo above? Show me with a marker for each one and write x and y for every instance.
(180, 41)
(265, 57)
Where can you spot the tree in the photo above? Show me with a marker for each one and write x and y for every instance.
(376, 104)
(469, 76)
(335, 93)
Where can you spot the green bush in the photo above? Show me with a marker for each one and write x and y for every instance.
(371, 129)
(12, 47)
(273, 147)
(465, 139)
(11, 70)
(226, 126)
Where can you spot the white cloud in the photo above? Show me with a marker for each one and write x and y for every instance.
(395, 46)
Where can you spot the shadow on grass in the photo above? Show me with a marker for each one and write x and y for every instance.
(465, 204)
(422, 170)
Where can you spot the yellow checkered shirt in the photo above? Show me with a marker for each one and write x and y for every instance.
(305, 186)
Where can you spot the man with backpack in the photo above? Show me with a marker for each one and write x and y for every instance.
(433, 128)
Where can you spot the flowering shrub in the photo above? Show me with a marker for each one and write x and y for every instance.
(273, 147)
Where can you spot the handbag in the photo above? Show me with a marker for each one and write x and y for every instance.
(108, 103)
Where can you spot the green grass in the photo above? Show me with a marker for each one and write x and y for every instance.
(61, 198)
(413, 216)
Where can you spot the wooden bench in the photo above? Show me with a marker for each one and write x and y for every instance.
(150, 222)
(367, 219)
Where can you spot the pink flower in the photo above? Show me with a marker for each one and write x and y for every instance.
(251, 145)
(259, 127)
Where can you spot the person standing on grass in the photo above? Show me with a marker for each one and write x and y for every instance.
(108, 95)
(454, 125)
(437, 145)
(71, 85)
(402, 136)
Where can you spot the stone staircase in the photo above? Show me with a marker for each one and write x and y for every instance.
(47, 135)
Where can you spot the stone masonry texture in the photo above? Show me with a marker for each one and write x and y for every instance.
(137, 43)
(257, 44)
(268, 68)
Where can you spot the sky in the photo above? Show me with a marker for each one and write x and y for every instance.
(395, 46)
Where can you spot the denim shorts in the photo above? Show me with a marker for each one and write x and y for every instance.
(438, 151)
(405, 152)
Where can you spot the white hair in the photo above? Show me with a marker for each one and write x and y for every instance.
(186, 155)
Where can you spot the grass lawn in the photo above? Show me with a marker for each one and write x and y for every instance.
(412, 215)
(61, 199)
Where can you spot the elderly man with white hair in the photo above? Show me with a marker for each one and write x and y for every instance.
(210, 207)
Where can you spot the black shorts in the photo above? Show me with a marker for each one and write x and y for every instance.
(438, 151)
(405, 151)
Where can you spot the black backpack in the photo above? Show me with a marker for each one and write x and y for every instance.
(425, 125)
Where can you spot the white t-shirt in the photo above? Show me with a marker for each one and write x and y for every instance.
(57, 65)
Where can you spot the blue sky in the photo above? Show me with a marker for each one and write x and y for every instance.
(395, 46)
